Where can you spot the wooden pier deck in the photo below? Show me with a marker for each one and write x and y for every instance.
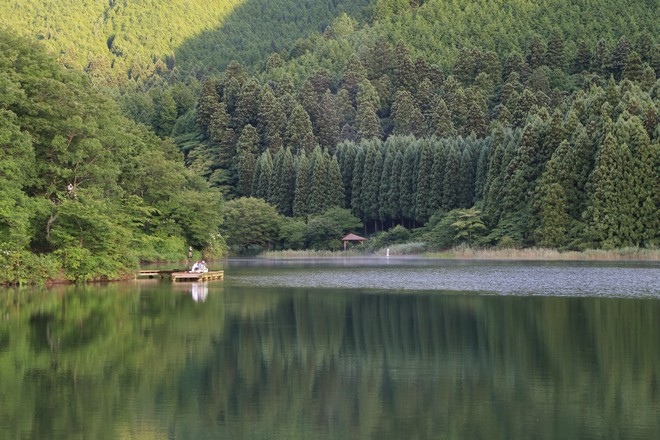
(198, 276)
(180, 275)
(157, 273)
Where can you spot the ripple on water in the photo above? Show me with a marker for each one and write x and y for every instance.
(497, 279)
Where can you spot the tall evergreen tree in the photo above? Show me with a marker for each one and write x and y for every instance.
(328, 122)
(207, 104)
(299, 133)
(272, 121)
(394, 194)
(609, 214)
(357, 205)
(408, 181)
(262, 176)
(385, 184)
(319, 190)
(452, 178)
(423, 195)
(438, 175)
(441, 120)
(406, 116)
(467, 179)
(373, 167)
(301, 195)
(367, 122)
(247, 149)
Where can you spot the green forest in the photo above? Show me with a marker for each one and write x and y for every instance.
(489, 123)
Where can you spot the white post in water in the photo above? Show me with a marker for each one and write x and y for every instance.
(388, 252)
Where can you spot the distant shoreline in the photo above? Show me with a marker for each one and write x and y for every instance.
(466, 253)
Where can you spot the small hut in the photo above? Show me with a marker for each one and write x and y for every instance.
(352, 237)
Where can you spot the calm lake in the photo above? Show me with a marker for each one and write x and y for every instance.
(339, 349)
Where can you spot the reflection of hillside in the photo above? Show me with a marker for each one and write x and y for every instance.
(267, 363)
(391, 366)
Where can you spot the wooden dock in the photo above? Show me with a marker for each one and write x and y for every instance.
(198, 276)
(180, 275)
(157, 273)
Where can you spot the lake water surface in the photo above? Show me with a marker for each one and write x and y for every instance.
(339, 349)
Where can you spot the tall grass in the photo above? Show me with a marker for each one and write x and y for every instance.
(466, 252)
(310, 254)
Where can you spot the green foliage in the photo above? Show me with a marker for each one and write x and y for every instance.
(468, 225)
(82, 185)
(326, 230)
(261, 230)
(395, 236)
(503, 99)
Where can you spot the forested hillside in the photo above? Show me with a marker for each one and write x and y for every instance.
(513, 123)
(120, 40)
(86, 193)
(499, 123)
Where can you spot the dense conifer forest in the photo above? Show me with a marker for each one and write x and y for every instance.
(492, 123)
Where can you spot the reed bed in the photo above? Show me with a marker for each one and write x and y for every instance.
(623, 254)
(470, 253)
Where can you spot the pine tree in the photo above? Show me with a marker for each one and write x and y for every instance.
(582, 62)
(452, 178)
(405, 75)
(438, 175)
(482, 170)
(335, 185)
(408, 181)
(556, 54)
(634, 69)
(299, 131)
(262, 176)
(357, 204)
(272, 121)
(345, 108)
(385, 184)
(223, 135)
(467, 178)
(367, 122)
(301, 195)
(247, 148)
(373, 168)
(443, 127)
(310, 101)
(319, 200)
(536, 53)
(406, 116)
(207, 104)
(554, 219)
(645, 180)
(394, 194)
(247, 105)
(609, 214)
(424, 185)
(328, 122)
(476, 121)
(346, 152)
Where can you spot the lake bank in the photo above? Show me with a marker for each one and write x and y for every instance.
(467, 253)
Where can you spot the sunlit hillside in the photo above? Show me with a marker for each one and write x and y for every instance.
(114, 40)
(114, 36)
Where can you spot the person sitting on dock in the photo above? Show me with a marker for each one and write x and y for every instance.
(196, 267)
(202, 267)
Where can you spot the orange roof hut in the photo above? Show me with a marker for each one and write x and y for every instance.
(352, 237)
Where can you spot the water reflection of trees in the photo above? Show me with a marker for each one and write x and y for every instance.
(421, 366)
(280, 364)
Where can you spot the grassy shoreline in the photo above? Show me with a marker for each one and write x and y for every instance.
(467, 253)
